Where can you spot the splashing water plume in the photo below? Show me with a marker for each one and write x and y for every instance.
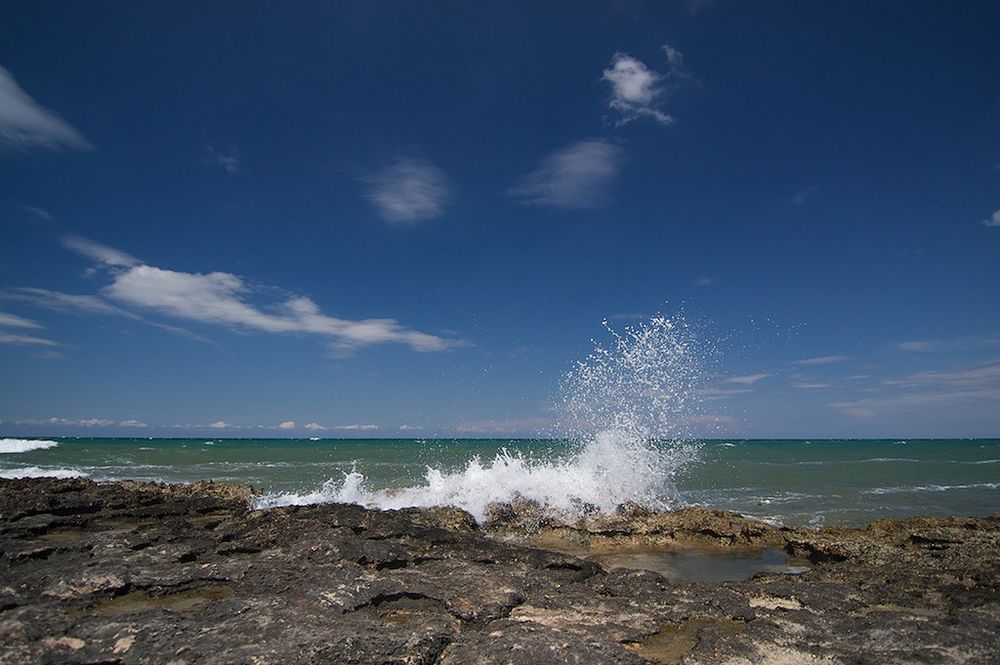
(625, 412)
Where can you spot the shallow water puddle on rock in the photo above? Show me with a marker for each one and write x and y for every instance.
(694, 565)
(63, 534)
(190, 600)
(669, 645)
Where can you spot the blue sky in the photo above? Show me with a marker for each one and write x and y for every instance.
(410, 219)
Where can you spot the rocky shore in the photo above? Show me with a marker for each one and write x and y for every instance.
(141, 573)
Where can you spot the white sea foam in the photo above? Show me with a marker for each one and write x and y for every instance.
(626, 409)
(39, 472)
(932, 488)
(24, 445)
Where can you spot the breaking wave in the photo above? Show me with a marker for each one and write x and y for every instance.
(24, 445)
(625, 412)
(39, 472)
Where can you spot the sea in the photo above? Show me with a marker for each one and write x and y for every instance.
(791, 482)
(622, 433)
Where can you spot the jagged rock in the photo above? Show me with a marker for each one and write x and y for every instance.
(146, 573)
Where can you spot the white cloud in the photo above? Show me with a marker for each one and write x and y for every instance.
(37, 213)
(408, 190)
(722, 393)
(98, 252)
(822, 360)
(746, 380)
(137, 424)
(14, 321)
(993, 220)
(223, 299)
(977, 376)
(288, 424)
(85, 304)
(222, 424)
(226, 158)
(9, 338)
(953, 344)
(356, 428)
(703, 281)
(516, 426)
(25, 124)
(408, 428)
(315, 427)
(70, 422)
(577, 176)
(976, 389)
(809, 385)
(636, 89)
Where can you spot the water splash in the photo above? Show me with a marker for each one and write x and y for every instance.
(625, 411)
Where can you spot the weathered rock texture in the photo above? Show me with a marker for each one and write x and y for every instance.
(140, 573)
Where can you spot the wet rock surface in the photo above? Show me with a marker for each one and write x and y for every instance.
(144, 573)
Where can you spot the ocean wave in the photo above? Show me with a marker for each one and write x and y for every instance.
(931, 488)
(39, 472)
(24, 445)
(609, 470)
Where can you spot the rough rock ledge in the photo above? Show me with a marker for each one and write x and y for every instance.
(143, 573)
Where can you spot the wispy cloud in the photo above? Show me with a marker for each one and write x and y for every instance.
(703, 281)
(803, 384)
(85, 304)
(218, 298)
(287, 425)
(28, 340)
(356, 427)
(36, 212)
(315, 427)
(26, 125)
(722, 393)
(822, 360)
(636, 90)
(514, 426)
(136, 424)
(222, 424)
(953, 344)
(98, 252)
(746, 380)
(976, 387)
(14, 321)
(992, 220)
(578, 176)
(804, 195)
(408, 191)
(226, 158)
(76, 422)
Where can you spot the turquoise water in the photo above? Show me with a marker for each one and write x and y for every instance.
(818, 482)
